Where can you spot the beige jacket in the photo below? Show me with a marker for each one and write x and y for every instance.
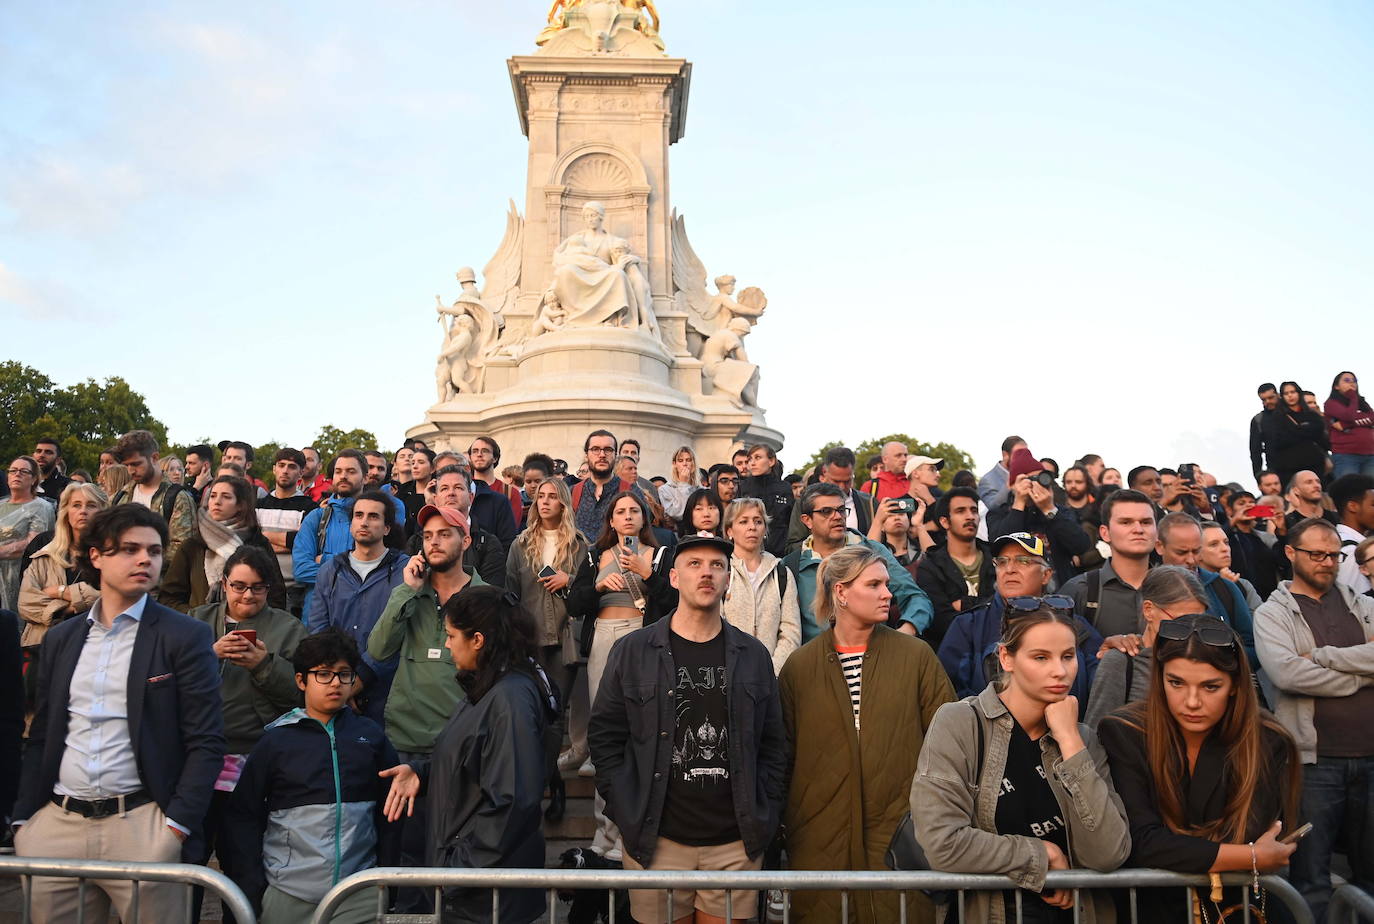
(41, 612)
(772, 618)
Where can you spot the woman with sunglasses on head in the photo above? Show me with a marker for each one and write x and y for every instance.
(255, 643)
(1123, 671)
(1210, 780)
(1009, 782)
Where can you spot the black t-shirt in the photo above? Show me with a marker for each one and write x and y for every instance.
(699, 810)
(1026, 805)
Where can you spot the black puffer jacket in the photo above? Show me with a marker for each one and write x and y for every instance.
(777, 498)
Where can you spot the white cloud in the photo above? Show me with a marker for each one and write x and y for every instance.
(40, 300)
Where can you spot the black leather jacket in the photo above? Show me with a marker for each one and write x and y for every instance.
(631, 737)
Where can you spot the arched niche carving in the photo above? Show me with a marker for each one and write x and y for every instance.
(599, 172)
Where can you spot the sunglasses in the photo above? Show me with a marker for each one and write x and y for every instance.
(1023, 605)
(1215, 636)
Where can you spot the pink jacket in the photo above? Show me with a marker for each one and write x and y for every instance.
(1356, 433)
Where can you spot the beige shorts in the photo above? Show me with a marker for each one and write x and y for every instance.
(651, 907)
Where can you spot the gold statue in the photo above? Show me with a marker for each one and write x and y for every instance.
(649, 31)
(557, 19)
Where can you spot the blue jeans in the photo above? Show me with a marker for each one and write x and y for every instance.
(1336, 798)
(1348, 463)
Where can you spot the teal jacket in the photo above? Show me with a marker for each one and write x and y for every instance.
(909, 602)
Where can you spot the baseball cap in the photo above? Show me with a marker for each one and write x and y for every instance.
(1031, 544)
(913, 462)
(452, 516)
(686, 543)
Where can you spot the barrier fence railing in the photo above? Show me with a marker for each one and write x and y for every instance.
(88, 871)
(1350, 905)
(551, 881)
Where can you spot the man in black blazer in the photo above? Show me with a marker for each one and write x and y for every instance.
(127, 737)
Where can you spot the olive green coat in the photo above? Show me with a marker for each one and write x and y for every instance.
(849, 789)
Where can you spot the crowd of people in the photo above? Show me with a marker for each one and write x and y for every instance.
(396, 659)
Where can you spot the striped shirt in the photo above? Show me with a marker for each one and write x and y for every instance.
(852, 663)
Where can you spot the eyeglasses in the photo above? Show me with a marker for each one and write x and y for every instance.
(1367, 561)
(1216, 636)
(257, 590)
(20, 471)
(828, 512)
(325, 678)
(1319, 556)
(1023, 605)
(1025, 561)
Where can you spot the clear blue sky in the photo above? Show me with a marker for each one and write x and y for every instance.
(1096, 225)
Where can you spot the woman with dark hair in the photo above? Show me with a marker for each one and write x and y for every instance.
(1294, 436)
(1009, 782)
(621, 585)
(703, 512)
(228, 519)
(1352, 427)
(23, 516)
(1210, 781)
(485, 778)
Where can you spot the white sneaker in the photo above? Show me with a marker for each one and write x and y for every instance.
(586, 769)
(774, 914)
(570, 760)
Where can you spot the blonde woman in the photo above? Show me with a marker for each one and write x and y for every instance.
(681, 484)
(762, 599)
(112, 478)
(173, 468)
(52, 589)
(540, 569)
(857, 701)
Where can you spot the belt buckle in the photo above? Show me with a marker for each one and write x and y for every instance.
(101, 808)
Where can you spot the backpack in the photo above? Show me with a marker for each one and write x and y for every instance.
(1094, 582)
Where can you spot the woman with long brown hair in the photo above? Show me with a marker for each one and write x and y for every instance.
(1210, 781)
(227, 520)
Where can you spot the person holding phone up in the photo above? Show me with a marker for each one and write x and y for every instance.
(1210, 781)
(622, 585)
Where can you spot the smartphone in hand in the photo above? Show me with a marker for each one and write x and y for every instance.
(248, 635)
(547, 571)
(630, 544)
(1297, 834)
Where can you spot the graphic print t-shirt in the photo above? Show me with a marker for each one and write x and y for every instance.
(699, 810)
(1026, 805)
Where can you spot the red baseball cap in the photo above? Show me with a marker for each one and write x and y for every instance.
(452, 516)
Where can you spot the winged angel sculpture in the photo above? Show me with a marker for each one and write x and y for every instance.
(473, 324)
(706, 313)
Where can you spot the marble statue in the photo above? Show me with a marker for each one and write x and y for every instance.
(707, 314)
(552, 316)
(643, 296)
(470, 336)
(601, 27)
(592, 276)
(725, 363)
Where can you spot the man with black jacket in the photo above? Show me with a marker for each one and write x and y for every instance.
(1030, 508)
(764, 482)
(958, 574)
(699, 784)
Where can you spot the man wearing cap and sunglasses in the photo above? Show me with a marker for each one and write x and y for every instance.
(1314, 638)
(423, 694)
(969, 649)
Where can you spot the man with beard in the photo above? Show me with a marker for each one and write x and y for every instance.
(1313, 637)
(1305, 496)
(423, 694)
(486, 456)
(46, 453)
(958, 574)
(1109, 598)
(592, 495)
(200, 469)
(280, 515)
(1080, 499)
(375, 478)
(312, 484)
(725, 482)
(324, 531)
(485, 555)
(1269, 399)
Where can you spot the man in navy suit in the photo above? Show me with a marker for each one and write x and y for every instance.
(127, 737)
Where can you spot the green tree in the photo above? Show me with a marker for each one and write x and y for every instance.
(955, 458)
(84, 418)
(331, 439)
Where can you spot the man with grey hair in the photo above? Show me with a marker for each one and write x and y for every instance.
(1179, 543)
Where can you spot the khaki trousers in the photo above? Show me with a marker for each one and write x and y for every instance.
(652, 907)
(139, 836)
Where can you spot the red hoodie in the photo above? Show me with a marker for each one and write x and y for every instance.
(890, 484)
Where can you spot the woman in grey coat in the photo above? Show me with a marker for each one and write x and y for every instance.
(1042, 798)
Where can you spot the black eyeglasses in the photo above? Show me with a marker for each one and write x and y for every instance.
(1178, 631)
(258, 590)
(828, 512)
(1024, 605)
(325, 678)
(1319, 556)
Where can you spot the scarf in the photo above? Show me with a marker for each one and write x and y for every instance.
(221, 539)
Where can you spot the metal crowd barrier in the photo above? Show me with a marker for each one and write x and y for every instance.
(1350, 905)
(552, 880)
(85, 871)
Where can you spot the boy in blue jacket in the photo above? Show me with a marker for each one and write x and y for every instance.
(307, 811)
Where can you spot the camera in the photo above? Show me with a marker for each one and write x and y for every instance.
(1044, 479)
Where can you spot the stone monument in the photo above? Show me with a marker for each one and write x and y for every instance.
(595, 310)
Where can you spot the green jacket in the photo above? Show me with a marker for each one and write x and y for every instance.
(425, 691)
(254, 699)
(181, 525)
